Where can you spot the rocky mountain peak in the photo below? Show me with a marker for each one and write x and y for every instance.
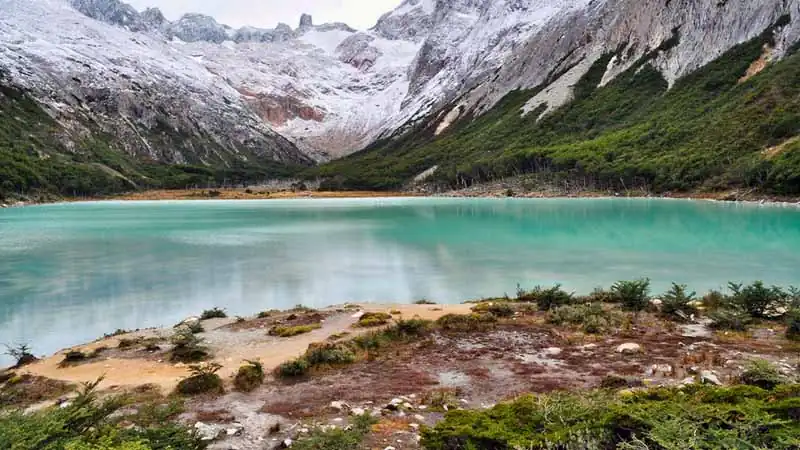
(195, 27)
(306, 21)
(114, 12)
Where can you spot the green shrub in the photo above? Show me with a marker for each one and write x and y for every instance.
(337, 438)
(289, 331)
(756, 299)
(761, 373)
(467, 322)
(249, 376)
(793, 325)
(730, 319)
(677, 302)
(412, 327)
(424, 302)
(633, 295)
(329, 353)
(593, 318)
(22, 355)
(600, 295)
(186, 347)
(545, 299)
(203, 379)
(292, 369)
(214, 313)
(498, 309)
(266, 314)
(714, 300)
(373, 319)
(89, 423)
(695, 417)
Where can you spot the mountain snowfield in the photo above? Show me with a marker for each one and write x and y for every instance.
(330, 90)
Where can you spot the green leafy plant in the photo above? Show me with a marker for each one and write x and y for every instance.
(467, 322)
(677, 303)
(203, 379)
(21, 354)
(337, 438)
(249, 376)
(290, 331)
(545, 299)
(761, 373)
(214, 313)
(793, 325)
(497, 309)
(757, 300)
(730, 319)
(424, 302)
(592, 318)
(293, 369)
(373, 319)
(186, 347)
(633, 295)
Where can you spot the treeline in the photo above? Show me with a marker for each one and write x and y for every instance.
(34, 161)
(713, 130)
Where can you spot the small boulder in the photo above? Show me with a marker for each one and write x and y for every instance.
(188, 322)
(629, 348)
(552, 351)
(709, 377)
(358, 411)
(208, 432)
(339, 406)
(414, 426)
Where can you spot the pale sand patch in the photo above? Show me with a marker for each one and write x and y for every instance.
(231, 349)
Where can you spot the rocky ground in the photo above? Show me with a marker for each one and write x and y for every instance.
(410, 384)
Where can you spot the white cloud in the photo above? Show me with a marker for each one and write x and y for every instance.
(361, 14)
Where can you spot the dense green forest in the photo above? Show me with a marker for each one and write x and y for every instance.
(711, 131)
(35, 161)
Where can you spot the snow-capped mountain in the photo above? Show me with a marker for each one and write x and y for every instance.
(332, 90)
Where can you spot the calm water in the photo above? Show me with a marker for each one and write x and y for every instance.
(69, 273)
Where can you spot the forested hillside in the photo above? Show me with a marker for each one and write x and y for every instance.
(727, 125)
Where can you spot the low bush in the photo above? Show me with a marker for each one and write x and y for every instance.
(677, 302)
(467, 322)
(373, 319)
(633, 295)
(337, 438)
(412, 327)
(696, 417)
(22, 355)
(186, 347)
(757, 299)
(761, 373)
(424, 302)
(203, 379)
(545, 299)
(730, 319)
(214, 313)
(498, 309)
(249, 376)
(793, 325)
(73, 357)
(292, 369)
(89, 423)
(266, 314)
(592, 318)
(714, 300)
(289, 331)
(329, 353)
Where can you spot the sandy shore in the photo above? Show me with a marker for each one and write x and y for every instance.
(230, 347)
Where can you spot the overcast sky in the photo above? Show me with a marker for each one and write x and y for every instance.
(360, 14)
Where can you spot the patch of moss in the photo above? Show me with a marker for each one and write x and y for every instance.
(290, 331)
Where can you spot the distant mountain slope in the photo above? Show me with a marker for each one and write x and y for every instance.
(704, 99)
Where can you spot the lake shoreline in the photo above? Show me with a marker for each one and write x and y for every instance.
(245, 194)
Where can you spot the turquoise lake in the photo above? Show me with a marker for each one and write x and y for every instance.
(71, 272)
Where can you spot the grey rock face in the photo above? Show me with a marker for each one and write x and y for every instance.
(357, 51)
(111, 11)
(306, 22)
(198, 27)
(415, 23)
